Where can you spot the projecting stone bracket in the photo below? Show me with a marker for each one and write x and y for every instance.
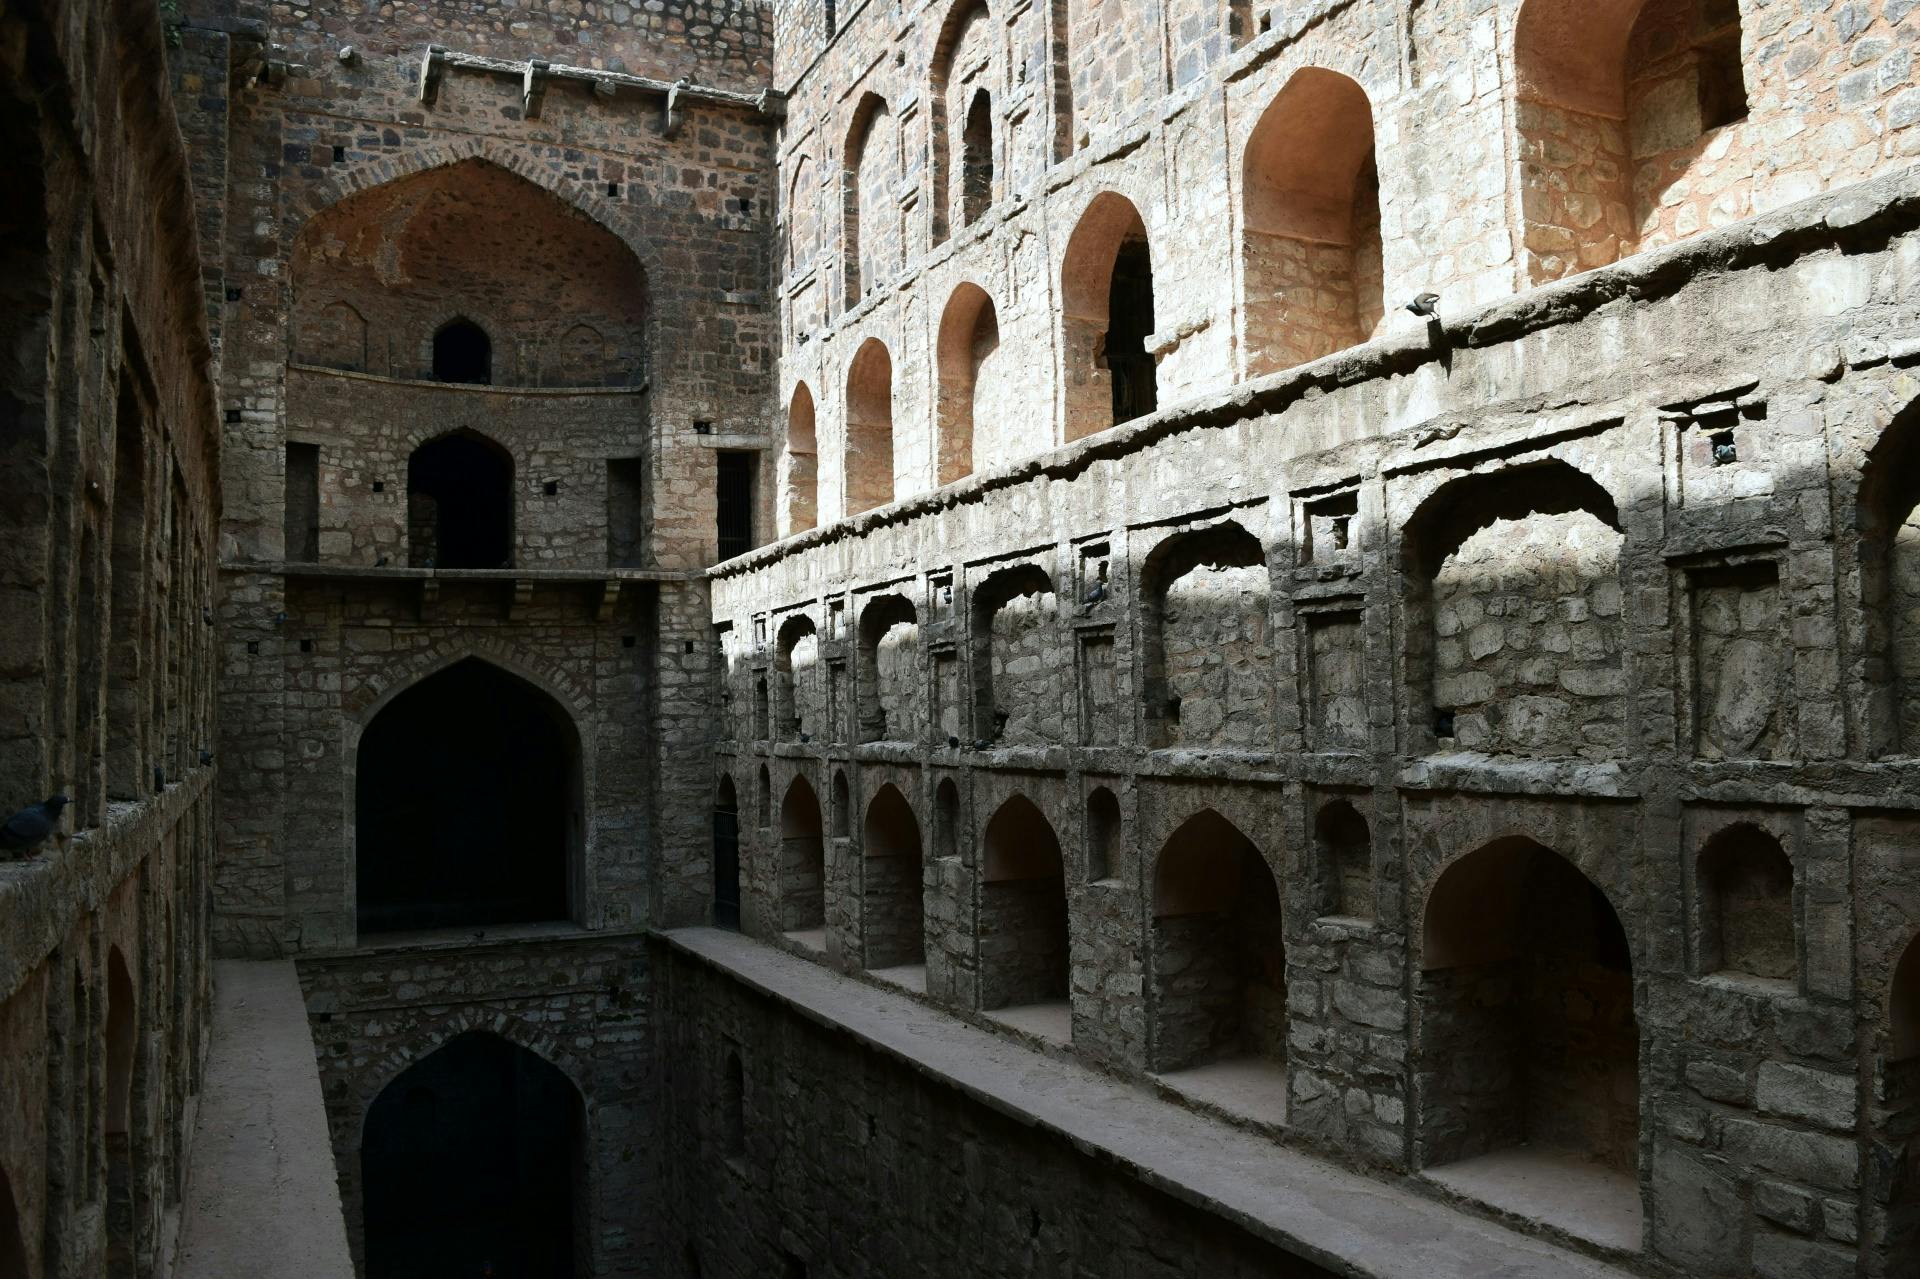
(536, 74)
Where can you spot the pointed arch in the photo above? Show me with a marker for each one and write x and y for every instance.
(800, 469)
(966, 63)
(870, 239)
(893, 909)
(1107, 315)
(1887, 517)
(726, 854)
(1208, 682)
(867, 466)
(967, 352)
(1015, 612)
(1025, 948)
(801, 890)
(460, 502)
(892, 694)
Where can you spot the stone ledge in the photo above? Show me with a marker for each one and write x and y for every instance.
(1312, 1209)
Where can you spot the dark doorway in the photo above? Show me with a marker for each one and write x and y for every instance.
(467, 811)
(1129, 322)
(735, 494)
(473, 1163)
(462, 352)
(726, 857)
(460, 503)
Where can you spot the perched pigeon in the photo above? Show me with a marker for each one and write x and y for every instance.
(206, 757)
(29, 828)
(1098, 593)
(1425, 304)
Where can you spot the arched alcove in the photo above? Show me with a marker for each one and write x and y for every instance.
(1022, 669)
(476, 1157)
(800, 479)
(122, 1054)
(842, 814)
(1219, 966)
(892, 692)
(965, 69)
(462, 352)
(460, 503)
(976, 160)
(796, 664)
(973, 400)
(1888, 519)
(866, 472)
(763, 797)
(802, 887)
(1515, 634)
(1107, 314)
(946, 820)
(1208, 660)
(1343, 852)
(1744, 906)
(1617, 106)
(1526, 1028)
(726, 856)
(1312, 224)
(1024, 946)
(893, 911)
(1104, 835)
(468, 805)
(870, 210)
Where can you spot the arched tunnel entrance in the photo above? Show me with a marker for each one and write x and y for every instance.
(468, 808)
(473, 1162)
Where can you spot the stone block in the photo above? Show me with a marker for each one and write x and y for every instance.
(1777, 1256)
(1816, 1096)
(1812, 1159)
(1698, 1211)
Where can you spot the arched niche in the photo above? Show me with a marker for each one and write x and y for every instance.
(1311, 216)
(1208, 668)
(1106, 835)
(1343, 854)
(1107, 315)
(974, 399)
(1515, 630)
(1887, 514)
(893, 911)
(1022, 669)
(870, 212)
(469, 254)
(1025, 953)
(867, 466)
(1617, 104)
(476, 1156)
(966, 69)
(801, 890)
(122, 1070)
(800, 473)
(1219, 965)
(893, 701)
(946, 820)
(796, 664)
(1744, 913)
(726, 855)
(469, 806)
(1526, 1034)
(460, 507)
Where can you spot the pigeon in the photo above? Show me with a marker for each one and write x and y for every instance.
(29, 828)
(381, 562)
(1098, 593)
(206, 757)
(1725, 453)
(1425, 304)
(159, 778)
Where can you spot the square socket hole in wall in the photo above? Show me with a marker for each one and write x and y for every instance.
(1330, 527)
(379, 486)
(339, 155)
(551, 488)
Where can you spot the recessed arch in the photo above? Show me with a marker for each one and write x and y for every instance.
(475, 1155)
(1887, 516)
(802, 887)
(1105, 835)
(462, 352)
(1525, 1021)
(867, 469)
(1744, 912)
(800, 474)
(1208, 661)
(1025, 952)
(976, 159)
(891, 690)
(966, 64)
(970, 381)
(460, 502)
(469, 805)
(796, 665)
(1107, 316)
(1311, 217)
(893, 910)
(870, 247)
(1343, 855)
(1218, 962)
(1014, 617)
(726, 854)
(122, 1069)
(13, 1244)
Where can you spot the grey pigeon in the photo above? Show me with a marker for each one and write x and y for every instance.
(29, 828)
(1425, 304)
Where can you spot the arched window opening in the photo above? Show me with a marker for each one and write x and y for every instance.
(1208, 682)
(13, 1245)
(802, 894)
(733, 1108)
(462, 352)
(726, 857)
(870, 208)
(1745, 906)
(1343, 848)
(1103, 835)
(1108, 315)
(976, 403)
(946, 821)
(762, 717)
(842, 805)
(1527, 1038)
(1888, 515)
(1312, 224)
(800, 478)
(976, 165)
(1617, 107)
(468, 805)
(460, 503)
(867, 473)
(1485, 556)
(475, 1157)
(893, 913)
(1022, 676)
(122, 1052)
(1024, 947)
(893, 700)
(1219, 967)
(796, 663)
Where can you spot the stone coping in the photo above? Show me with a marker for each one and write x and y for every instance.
(1878, 208)
(1311, 1208)
(467, 388)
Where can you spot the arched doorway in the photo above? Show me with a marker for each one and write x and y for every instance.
(1106, 292)
(468, 806)
(475, 1156)
(893, 912)
(460, 503)
(803, 864)
(1024, 946)
(726, 856)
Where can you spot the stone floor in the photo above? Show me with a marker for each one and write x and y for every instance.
(1051, 1022)
(1557, 1188)
(911, 977)
(1312, 1208)
(1249, 1088)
